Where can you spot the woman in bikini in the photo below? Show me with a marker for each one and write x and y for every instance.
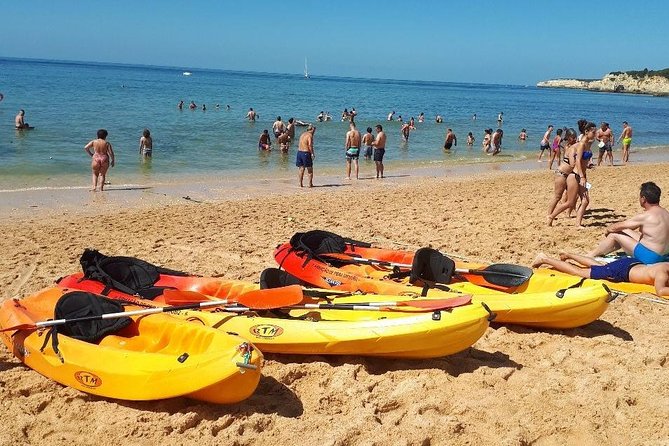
(486, 140)
(563, 175)
(102, 157)
(584, 159)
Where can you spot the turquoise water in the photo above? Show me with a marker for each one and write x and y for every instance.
(67, 102)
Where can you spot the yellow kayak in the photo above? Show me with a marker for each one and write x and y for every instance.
(545, 300)
(386, 333)
(153, 357)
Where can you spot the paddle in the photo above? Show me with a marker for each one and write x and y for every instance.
(266, 299)
(423, 306)
(255, 300)
(415, 304)
(500, 274)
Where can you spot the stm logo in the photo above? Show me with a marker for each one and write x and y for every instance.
(332, 282)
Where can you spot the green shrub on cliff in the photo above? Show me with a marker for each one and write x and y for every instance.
(645, 72)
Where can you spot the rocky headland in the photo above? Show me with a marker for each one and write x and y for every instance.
(637, 82)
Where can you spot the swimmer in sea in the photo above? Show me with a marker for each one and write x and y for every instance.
(146, 144)
(264, 143)
(19, 122)
(251, 115)
(102, 156)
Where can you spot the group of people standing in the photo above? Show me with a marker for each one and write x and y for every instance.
(102, 155)
(492, 141)
(375, 148)
(573, 153)
(605, 143)
(571, 175)
(284, 134)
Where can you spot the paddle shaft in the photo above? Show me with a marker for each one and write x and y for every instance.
(479, 272)
(51, 323)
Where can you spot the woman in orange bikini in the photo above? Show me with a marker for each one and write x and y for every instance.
(102, 157)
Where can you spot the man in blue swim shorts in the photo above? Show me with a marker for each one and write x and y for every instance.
(644, 236)
(626, 269)
(305, 155)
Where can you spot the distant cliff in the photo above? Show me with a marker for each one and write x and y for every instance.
(644, 82)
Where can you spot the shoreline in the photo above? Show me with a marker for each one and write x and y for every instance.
(241, 185)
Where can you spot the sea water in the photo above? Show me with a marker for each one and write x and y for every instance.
(67, 102)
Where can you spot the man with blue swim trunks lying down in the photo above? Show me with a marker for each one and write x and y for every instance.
(644, 236)
(626, 269)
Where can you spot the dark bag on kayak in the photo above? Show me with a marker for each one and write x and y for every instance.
(323, 242)
(431, 266)
(276, 278)
(77, 304)
(126, 274)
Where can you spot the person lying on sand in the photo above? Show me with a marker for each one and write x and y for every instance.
(626, 269)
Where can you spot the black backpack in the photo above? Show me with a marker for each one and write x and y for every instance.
(312, 244)
(78, 304)
(126, 274)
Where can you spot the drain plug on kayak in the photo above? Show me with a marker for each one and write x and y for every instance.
(183, 358)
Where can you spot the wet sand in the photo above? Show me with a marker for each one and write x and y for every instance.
(605, 383)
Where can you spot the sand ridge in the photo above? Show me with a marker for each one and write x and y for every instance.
(606, 383)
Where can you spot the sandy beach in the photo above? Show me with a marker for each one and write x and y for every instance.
(605, 383)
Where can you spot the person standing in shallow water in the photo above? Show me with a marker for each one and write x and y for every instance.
(352, 148)
(367, 140)
(379, 145)
(102, 156)
(451, 140)
(626, 138)
(146, 144)
(306, 155)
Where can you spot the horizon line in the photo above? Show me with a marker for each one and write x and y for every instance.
(92, 62)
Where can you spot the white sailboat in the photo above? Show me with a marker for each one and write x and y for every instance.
(306, 70)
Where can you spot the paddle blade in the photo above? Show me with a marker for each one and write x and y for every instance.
(181, 297)
(272, 298)
(256, 300)
(502, 274)
(20, 327)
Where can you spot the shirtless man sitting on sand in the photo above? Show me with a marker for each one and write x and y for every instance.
(102, 157)
(627, 269)
(644, 236)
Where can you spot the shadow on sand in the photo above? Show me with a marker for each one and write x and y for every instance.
(271, 397)
(466, 361)
(592, 330)
(601, 217)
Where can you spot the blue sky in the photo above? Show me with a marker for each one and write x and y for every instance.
(505, 42)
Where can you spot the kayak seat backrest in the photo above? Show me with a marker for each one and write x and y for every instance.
(318, 242)
(77, 304)
(276, 278)
(126, 274)
(431, 266)
(81, 304)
